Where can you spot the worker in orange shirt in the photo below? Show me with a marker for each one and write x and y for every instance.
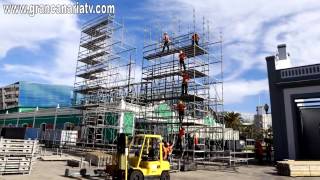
(170, 150)
(165, 150)
(182, 57)
(166, 41)
(181, 139)
(185, 81)
(196, 141)
(181, 107)
(195, 39)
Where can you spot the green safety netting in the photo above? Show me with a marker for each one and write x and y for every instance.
(164, 110)
(210, 121)
(110, 134)
(128, 122)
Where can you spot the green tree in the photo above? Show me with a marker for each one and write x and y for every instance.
(232, 120)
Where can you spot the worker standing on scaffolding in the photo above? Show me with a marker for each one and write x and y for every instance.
(182, 57)
(181, 107)
(166, 41)
(184, 86)
(195, 39)
(181, 139)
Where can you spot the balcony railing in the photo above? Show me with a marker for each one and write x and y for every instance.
(300, 71)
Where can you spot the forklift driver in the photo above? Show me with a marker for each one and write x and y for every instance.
(153, 154)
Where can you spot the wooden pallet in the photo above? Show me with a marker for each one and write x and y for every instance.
(55, 158)
(298, 168)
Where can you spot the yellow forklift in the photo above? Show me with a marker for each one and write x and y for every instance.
(141, 159)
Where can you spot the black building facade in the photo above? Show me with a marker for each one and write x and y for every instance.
(295, 102)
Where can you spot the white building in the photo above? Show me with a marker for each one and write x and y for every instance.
(262, 119)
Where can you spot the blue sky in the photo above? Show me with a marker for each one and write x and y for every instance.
(44, 48)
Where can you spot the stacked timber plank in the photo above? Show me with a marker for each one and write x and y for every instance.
(99, 158)
(16, 155)
(298, 168)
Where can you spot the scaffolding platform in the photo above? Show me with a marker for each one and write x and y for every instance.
(91, 59)
(193, 73)
(89, 73)
(86, 89)
(95, 29)
(185, 98)
(189, 50)
(93, 44)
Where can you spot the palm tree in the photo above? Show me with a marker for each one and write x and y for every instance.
(232, 120)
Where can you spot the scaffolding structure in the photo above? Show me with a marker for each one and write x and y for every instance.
(161, 91)
(104, 76)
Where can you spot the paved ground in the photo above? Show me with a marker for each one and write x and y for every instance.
(55, 170)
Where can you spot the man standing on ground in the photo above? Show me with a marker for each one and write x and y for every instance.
(182, 57)
(259, 151)
(166, 41)
(268, 152)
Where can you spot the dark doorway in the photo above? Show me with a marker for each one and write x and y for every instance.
(43, 127)
(310, 120)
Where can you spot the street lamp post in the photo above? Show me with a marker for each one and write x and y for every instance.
(34, 116)
(55, 117)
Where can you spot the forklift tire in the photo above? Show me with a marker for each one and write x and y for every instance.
(136, 175)
(67, 173)
(165, 175)
(83, 172)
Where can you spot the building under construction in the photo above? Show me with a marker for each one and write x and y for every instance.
(109, 102)
(112, 103)
(102, 81)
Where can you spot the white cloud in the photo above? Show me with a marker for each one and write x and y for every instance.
(24, 70)
(28, 32)
(236, 91)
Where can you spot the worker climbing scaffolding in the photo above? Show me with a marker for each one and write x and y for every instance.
(181, 140)
(182, 58)
(181, 108)
(185, 81)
